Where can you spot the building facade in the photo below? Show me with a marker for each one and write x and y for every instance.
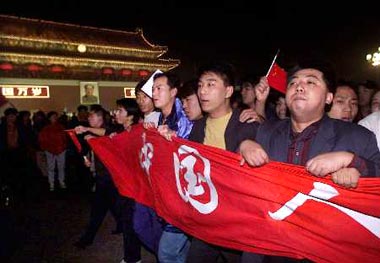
(49, 66)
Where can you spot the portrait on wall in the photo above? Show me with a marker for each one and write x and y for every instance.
(89, 93)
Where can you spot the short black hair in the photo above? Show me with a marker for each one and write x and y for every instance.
(98, 109)
(131, 106)
(10, 111)
(223, 69)
(322, 65)
(173, 79)
(188, 88)
(51, 113)
(82, 108)
(139, 86)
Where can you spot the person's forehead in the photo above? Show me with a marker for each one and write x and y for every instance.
(308, 72)
(345, 90)
(209, 76)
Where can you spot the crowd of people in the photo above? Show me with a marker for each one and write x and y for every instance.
(327, 126)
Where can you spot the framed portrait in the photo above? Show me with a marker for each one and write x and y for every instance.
(89, 93)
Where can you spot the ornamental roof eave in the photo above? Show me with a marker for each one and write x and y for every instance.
(25, 32)
(73, 62)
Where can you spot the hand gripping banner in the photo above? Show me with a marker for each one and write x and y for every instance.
(276, 209)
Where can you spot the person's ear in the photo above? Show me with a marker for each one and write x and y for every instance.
(229, 91)
(173, 92)
(329, 98)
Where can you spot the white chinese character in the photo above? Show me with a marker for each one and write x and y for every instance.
(22, 91)
(7, 91)
(36, 91)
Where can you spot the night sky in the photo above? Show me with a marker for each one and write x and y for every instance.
(248, 37)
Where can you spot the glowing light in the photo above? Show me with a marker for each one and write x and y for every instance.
(82, 48)
(374, 58)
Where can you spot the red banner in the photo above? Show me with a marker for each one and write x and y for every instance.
(277, 209)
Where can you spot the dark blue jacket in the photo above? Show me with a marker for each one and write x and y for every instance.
(333, 135)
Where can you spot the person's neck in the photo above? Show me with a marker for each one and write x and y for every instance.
(221, 111)
(167, 110)
(127, 125)
(252, 105)
(300, 124)
(365, 110)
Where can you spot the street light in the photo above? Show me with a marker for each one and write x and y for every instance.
(374, 58)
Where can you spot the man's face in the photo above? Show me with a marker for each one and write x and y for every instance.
(145, 103)
(95, 120)
(213, 94)
(191, 107)
(307, 94)
(375, 104)
(248, 93)
(281, 108)
(345, 104)
(163, 96)
(121, 115)
(89, 90)
(365, 95)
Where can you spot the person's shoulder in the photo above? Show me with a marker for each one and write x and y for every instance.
(349, 128)
(374, 117)
(274, 124)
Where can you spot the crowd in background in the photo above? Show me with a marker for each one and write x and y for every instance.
(37, 155)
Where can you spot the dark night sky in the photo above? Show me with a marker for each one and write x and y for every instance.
(199, 31)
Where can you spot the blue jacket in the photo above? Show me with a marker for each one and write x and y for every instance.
(333, 135)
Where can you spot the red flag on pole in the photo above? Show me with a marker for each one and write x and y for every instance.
(277, 78)
(75, 140)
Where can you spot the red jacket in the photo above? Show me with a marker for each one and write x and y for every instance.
(52, 138)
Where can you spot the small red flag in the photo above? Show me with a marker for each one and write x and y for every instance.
(277, 78)
(75, 140)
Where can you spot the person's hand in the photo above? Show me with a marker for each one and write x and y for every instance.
(249, 115)
(81, 129)
(346, 177)
(253, 153)
(327, 163)
(87, 162)
(149, 125)
(262, 89)
(166, 132)
(112, 135)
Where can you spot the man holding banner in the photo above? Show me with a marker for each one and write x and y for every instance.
(220, 128)
(310, 138)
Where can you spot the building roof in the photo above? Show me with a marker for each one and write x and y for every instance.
(27, 41)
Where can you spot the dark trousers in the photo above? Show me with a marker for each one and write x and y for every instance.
(202, 252)
(132, 245)
(105, 198)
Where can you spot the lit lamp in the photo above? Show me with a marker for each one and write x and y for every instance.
(82, 48)
(374, 58)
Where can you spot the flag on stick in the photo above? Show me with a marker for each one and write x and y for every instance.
(277, 76)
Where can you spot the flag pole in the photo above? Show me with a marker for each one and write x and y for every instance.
(274, 60)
